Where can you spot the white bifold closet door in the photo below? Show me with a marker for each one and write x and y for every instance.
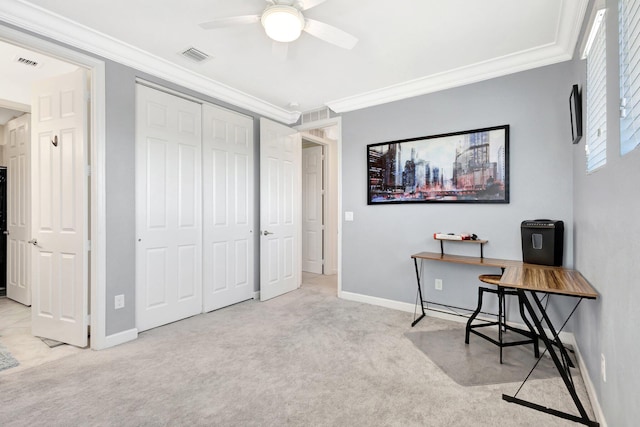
(168, 208)
(228, 200)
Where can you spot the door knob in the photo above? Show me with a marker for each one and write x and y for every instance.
(33, 242)
(6, 232)
(266, 233)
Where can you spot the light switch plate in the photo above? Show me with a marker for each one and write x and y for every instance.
(348, 216)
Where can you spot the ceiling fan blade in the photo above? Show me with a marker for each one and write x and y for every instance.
(308, 4)
(330, 34)
(230, 21)
(280, 50)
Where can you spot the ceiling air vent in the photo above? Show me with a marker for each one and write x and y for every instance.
(195, 55)
(26, 61)
(315, 115)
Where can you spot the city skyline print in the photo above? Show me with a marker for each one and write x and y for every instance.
(461, 167)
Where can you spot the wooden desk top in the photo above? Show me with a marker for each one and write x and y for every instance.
(556, 280)
(532, 277)
(470, 260)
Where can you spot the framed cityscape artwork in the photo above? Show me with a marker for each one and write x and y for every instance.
(461, 167)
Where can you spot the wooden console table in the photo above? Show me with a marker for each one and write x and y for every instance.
(530, 281)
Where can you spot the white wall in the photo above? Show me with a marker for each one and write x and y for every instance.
(607, 242)
(377, 246)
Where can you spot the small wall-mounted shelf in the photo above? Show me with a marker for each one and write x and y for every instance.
(480, 241)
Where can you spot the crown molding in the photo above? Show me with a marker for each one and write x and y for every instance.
(33, 18)
(45, 23)
(572, 14)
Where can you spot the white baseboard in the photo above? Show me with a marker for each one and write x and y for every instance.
(396, 305)
(566, 337)
(591, 390)
(256, 295)
(119, 338)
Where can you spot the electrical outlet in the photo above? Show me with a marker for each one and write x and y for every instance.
(603, 368)
(118, 301)
(439, 284)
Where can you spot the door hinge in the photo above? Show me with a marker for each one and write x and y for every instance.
(88, 245)
(88, 317)
(88, 170)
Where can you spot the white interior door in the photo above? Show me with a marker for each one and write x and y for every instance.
(168, 208)
(17, 151)
(228, 199)
(312, 209)
(280, 209)
(59, 209)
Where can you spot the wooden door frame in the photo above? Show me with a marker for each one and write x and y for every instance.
(97, 201)
(337, 122)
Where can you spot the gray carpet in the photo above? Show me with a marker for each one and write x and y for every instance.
(6, 359)
(478, 363)
(306, 358)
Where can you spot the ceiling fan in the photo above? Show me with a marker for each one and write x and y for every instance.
(283, 22)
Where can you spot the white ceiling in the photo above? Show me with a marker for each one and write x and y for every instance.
(17, 76)
(406, 47)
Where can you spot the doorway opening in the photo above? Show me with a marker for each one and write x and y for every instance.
(23, 67)
(321, 144)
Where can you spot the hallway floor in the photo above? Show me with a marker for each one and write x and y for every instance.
(15, 335)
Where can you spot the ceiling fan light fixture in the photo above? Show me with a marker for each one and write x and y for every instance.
(282, 23)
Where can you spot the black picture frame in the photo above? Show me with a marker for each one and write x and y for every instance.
(461, 167)
(575, 110)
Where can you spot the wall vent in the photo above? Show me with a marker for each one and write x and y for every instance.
(195, 55)
(315, 115)
(28, 62)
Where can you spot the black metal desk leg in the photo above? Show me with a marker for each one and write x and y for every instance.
(415, 262)
(564, 372)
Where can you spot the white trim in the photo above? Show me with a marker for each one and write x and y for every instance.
(97, 147)
(380, 302)
(591, 390)
(486, 70)
(12, 105)
(42, 21)
(570, 20)
(595, 26)
(57, 27)
(121, 337)
(256, 295)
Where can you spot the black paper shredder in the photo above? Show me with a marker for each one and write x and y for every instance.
(542, 241)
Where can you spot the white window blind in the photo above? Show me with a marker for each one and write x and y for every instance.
(596, 147)
(629, 17)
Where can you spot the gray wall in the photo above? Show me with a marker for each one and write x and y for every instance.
(120, 196)
(378, 244)
(607, 244)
